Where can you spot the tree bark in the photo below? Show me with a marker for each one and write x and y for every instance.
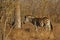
(18, 14)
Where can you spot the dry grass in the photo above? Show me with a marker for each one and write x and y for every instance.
(28, 32)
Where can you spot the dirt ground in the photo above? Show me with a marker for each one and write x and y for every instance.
(28, 32)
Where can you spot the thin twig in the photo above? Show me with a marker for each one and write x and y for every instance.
(9, 32)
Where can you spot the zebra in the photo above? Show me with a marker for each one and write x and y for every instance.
(41, 22)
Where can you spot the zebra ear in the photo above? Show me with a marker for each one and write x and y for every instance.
(25, 17)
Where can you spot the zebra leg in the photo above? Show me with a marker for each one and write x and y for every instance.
(49, 28)
(35, 26)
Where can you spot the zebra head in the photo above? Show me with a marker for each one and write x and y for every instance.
(27, 18)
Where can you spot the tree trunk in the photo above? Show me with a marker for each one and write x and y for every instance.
(18, 14)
